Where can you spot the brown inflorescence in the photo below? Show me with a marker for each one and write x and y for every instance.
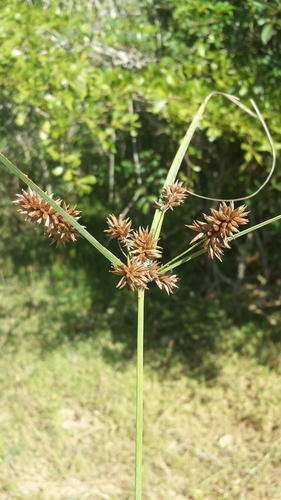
(142, 251)
(172, 196)
(219, 226)
(38, 211)
(167, 281)
(134, 274)
(143, 245)
(118, 228)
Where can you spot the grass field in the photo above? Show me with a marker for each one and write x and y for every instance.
(67, 417)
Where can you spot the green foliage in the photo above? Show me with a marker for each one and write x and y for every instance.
(94, 100)
(70, 75)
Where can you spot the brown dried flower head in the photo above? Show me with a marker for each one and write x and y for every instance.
(219, 226)
(134, 274)
(172, 196)
(167, 281)
(137, 274)
(152, 269)
(141, 267)
(118, 228)
(38, 211)
(143, 245)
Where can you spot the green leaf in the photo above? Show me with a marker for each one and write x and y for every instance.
(57, 170)
(20, 119)
(53, 153)
(68, 175)
(266, 33)
(88, 179)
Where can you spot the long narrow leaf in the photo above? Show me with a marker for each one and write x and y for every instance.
(172, 173)
(170, 179)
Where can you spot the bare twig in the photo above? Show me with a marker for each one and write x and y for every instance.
(135, 149)
(131, 203)
(111, 172)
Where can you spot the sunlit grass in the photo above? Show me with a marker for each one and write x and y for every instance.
(67, 414)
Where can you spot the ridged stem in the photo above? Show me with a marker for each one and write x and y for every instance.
(139, 398)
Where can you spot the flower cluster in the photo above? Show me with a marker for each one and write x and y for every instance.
(172, 196)
(219, 226)
(118, 228)
(38, 211)
(142, 251)
(143, 245)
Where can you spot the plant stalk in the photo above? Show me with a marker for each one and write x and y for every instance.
(174, 168)
(182, 258)
(139, 398)
(15, 170)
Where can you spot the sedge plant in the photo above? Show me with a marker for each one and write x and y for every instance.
(141, 255)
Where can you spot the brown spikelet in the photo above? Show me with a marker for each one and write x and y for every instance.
(141, 267)
(143, 245)
(38, 211)
(134, 274)
(118, 228)
(172, 196)
(219, 226)
(167, 281)
(137, 274)
(152, 269)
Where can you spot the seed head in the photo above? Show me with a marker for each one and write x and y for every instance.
(143, 245)
(118, 228)
(167, 281)
(38, 211)
(134, 274)
(141, 267)
(219, 226)
(172, 196)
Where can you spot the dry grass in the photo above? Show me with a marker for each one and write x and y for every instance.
(67, 430)
(67, 414)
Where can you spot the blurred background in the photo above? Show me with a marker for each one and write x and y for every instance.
(95, 98)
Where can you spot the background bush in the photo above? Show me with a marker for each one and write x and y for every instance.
(95, 97)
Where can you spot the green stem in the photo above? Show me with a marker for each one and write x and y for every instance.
(181, 259)
(139, 399)
(254, 228)
(174, 261)
(174, 168)
(15, 170)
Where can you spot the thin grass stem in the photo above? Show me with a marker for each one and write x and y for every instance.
(174, 168)
(169, 265)
(181, 259)
(139, 398)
